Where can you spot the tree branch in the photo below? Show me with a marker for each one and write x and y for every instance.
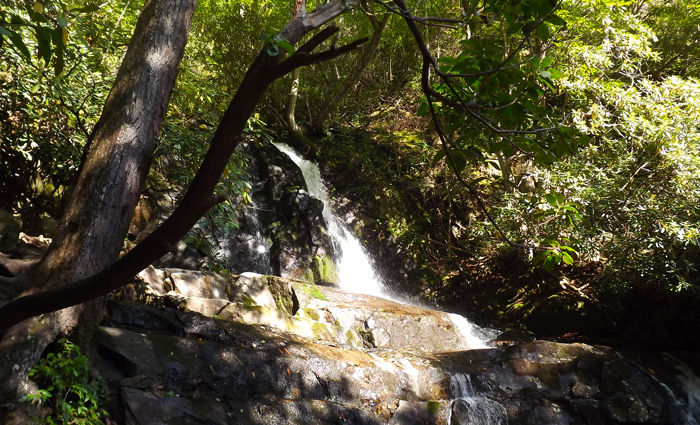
(198, 198)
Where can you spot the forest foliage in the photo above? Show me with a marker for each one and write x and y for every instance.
(599, 169)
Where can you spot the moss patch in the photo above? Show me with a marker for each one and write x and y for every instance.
(311, 313)
(313, 292)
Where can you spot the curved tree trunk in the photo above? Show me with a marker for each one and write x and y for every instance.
(322, 118)
(102, 203)
(106, 194)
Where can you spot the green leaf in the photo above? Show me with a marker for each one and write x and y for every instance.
(89, 8)
(438, 156)
(539, 257)
(543, 32)
(4, 31)
(555, 74)
(552, 261)
(457, 161)
(19, 45)
(567, 258)
(423, 110)
(477, 181)
(43, 37)
(62, 22)
(556, 20)
(286, 46)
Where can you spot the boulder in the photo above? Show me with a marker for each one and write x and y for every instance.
(260, 349)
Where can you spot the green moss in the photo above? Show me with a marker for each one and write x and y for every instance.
(433, 407)
(248, 300)
(311, 313)
(312, 291)
(323, 270)
(282, 295)
(317, 294)
(319, 330)
(350, 337)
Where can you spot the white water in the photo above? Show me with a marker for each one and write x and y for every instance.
(476, 336)
(689, 412)
(355, 271)
(472, 410)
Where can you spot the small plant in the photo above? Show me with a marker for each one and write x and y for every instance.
(67, 388)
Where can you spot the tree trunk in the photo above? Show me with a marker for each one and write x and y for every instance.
(292, 126)
(102, 203)
(119, 154)
(321, 121)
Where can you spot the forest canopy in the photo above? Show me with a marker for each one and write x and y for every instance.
(567, 134)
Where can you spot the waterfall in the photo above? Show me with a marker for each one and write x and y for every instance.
(476, 336)
(686, 412)
(355, 271)
(472, 410)
(354, 267)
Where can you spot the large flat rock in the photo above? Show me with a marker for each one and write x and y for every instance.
(310, 311)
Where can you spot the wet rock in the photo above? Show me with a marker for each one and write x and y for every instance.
(588, 411)
(414, 413)
(478, 410)
(550, 413)
(261, 349)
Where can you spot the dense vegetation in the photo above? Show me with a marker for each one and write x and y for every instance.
(573, 177)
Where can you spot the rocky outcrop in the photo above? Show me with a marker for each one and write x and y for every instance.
(252, 349)
(292, 219)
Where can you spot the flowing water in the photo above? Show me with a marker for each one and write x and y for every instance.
(355, 271)
(473, 410)
(354, 266)
(688, 411)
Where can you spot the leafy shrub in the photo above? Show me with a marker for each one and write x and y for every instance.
(74, 398)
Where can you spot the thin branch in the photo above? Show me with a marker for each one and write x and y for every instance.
(304, 57)
(427, 20)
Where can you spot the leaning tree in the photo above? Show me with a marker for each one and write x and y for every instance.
(62, 295)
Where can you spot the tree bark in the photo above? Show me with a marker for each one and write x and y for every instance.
(321, 121)
(20, 348)
(292, 126)
(102, 203)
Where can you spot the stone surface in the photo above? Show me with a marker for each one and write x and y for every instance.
(252, 349)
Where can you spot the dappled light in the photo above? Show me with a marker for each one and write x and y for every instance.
(369, 212)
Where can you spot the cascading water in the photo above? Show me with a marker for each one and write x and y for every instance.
(354, 267)
(355, 272)
(472, 410)
(687, 411)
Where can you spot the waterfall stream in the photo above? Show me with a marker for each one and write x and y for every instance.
(354, 266)
(469, 409)
(355, 271)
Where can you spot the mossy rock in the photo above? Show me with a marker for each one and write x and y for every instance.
(324, 271)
